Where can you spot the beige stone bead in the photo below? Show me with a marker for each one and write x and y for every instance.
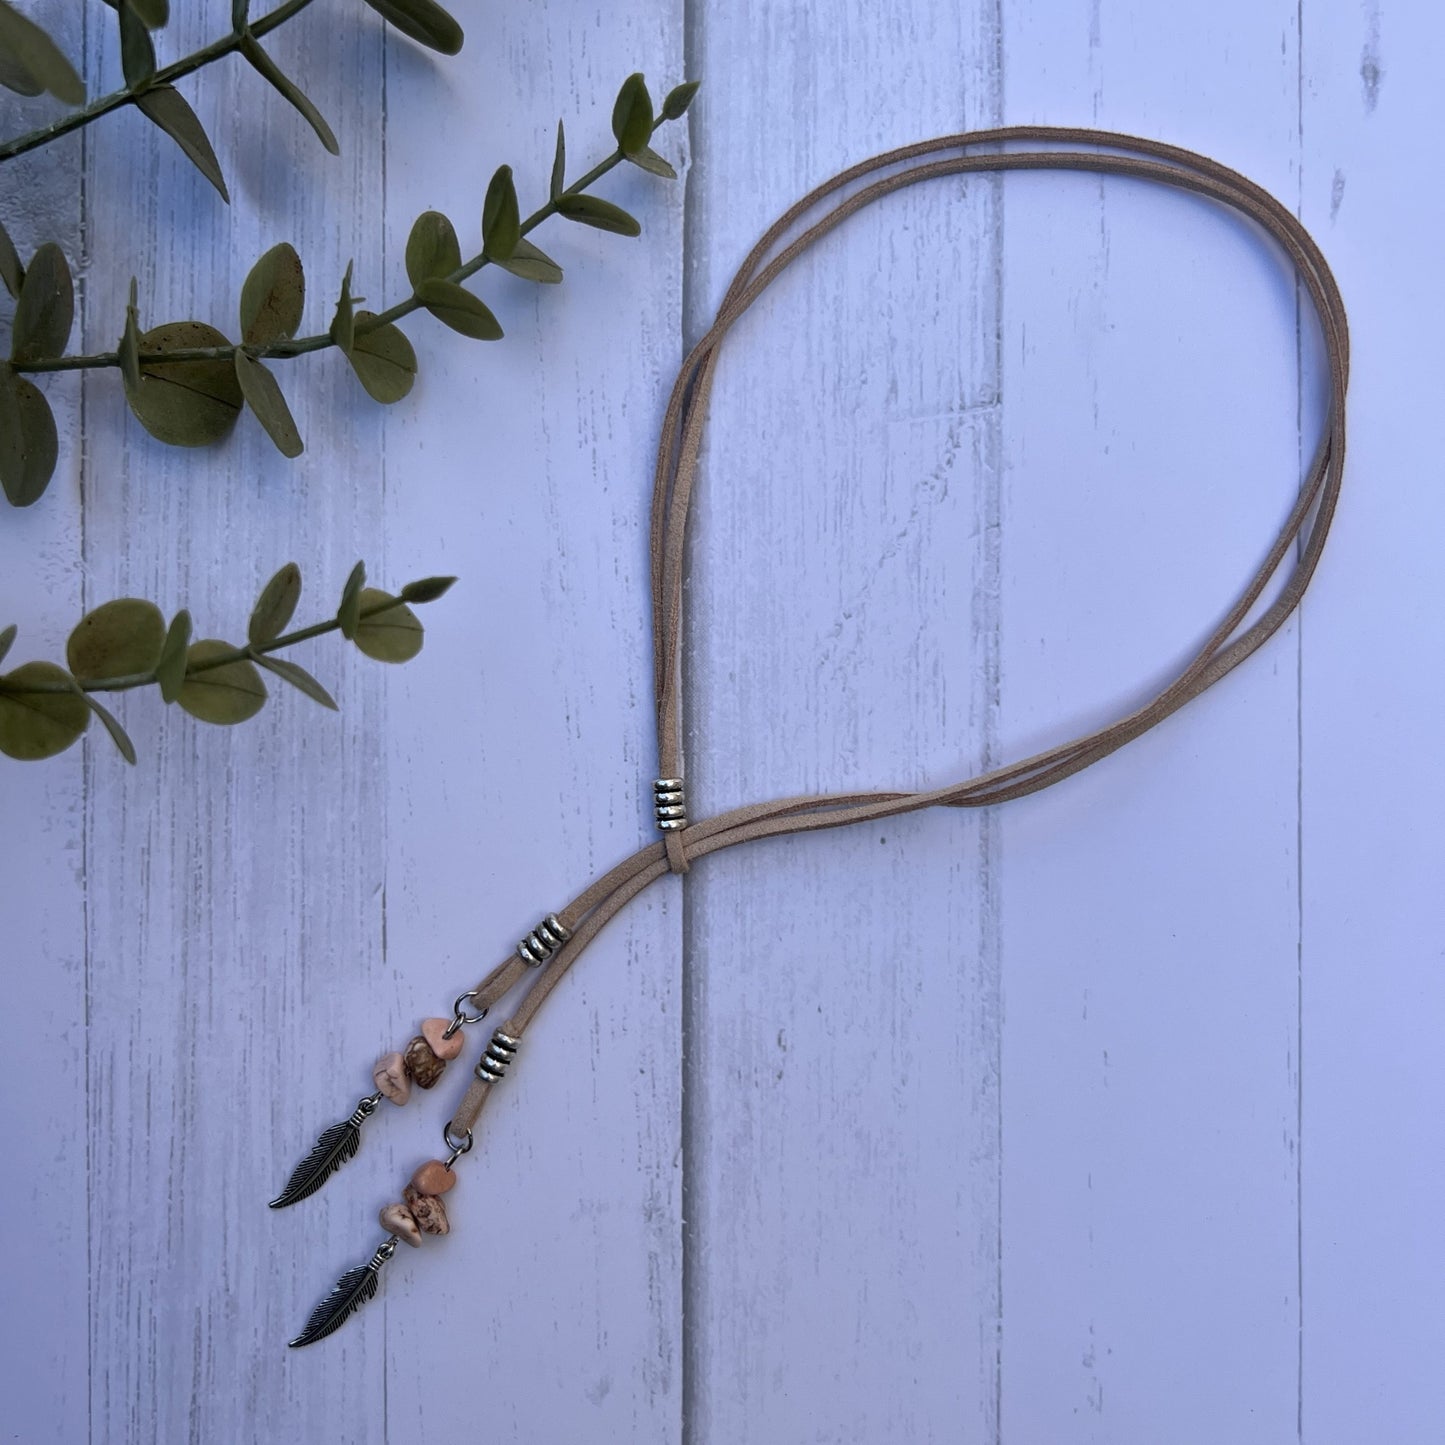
(397, 1219)
(434, 1031)
(434, 1178)
(390, 1077)
(428, 1211)
(422, 1063)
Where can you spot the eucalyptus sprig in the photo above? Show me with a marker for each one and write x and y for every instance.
(187, 382)
(127, 644)
(32, 63)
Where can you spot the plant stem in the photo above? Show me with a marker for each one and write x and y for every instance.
(322, 340)
(165, 76)
(130, 680)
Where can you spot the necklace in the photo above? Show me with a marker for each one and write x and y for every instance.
(543, 957)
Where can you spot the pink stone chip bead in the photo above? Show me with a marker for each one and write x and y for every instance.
(434, 1031)
(397, 1219)
(428, 1211)
(433, 1178)
(390, 1078)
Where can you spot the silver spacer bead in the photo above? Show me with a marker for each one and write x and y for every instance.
(669, 801)
(492, 1066)
(543, 941)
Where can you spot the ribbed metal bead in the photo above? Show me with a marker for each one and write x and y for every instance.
(669, 801)
(493, 1065)
(543, 941)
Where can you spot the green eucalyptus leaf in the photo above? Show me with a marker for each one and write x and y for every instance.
(264, 65)
(343, 323)
(137, 54)
(263, 395)
(632, 115)
(37, 725)
(559, 165)
(424, 21)
(427, 589)
(11, 270)
(393, 634)
(29, 445)
(117, 639)
(46, 308)
(348, 611)
(118, 734)
(501, 216)
(168, 108)
(299, 678)
(653, 163)
(171, 668)
(276, 605)
(383, 360)
(33, 62)
(532, 264)
(7, 640)
(228, 693)
(154, 14)
(456, 307)
(129, 348)
(273, 297)
(186, 403)
(432, 249)
(602, 215)
(678, 99)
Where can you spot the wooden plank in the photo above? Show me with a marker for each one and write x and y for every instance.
(43, 1377)
(518, 752)
(1373, 636)
(842, 1013)
(1149, 907)
(235, 879)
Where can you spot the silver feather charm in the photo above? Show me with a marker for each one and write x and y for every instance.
(352, 1291)
(338, 1144)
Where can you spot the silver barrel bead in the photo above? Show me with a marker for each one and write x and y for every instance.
(543, 941)
(669, 801)
(493, 1065)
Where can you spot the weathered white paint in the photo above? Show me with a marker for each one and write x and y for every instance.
(1110, 1116)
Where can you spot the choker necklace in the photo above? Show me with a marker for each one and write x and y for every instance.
(543, 957)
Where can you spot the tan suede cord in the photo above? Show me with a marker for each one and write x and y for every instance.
(1295, 550)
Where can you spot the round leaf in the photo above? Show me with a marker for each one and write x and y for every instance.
(171, 669)
(391, 635)
(383, 360)
(46, 308)
(348, 610)
(273, 297)
(264, 396)
(11, 271)
(603, 215)
(117, 639)
(678, 99)
(432, 249)
(501, 217)
(632, 116)
(228, 693)
(424, 21)
(186, 403)
(532, 264)
(276, 605)
(38, 725)
(458, 308)
(28, 442)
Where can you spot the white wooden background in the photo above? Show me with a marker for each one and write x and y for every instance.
(1112, 1115)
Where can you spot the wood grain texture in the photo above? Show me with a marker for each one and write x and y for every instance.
(1112, 1116)
(843, 1029)
(1373, 698)
(1150, 905)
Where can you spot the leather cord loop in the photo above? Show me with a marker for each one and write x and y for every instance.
(1295, 551)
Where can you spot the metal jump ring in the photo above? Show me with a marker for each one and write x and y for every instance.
(459, 1018)
(457, 1149)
